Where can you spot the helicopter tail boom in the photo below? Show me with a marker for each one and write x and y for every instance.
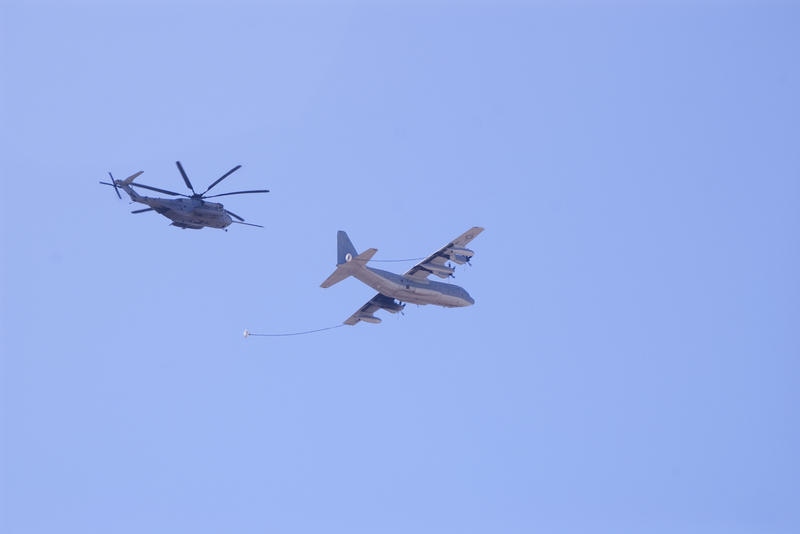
(125, 185)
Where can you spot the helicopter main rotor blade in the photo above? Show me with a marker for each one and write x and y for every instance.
(142, 211)
(248, 224)
(229, 212)
(151, 188)
(239, 193)
(185, 178)
(221, 178)
(116, 189)
(241, 221)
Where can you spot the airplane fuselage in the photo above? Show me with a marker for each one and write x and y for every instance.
(415, 291)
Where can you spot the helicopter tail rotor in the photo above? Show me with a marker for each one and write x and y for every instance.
(114, 185)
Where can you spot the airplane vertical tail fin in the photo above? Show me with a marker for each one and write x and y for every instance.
(344, 248)
(348, 260)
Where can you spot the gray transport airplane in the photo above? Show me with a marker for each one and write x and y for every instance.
(191, 212)
(413, 286)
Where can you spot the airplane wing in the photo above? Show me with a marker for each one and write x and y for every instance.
(367, 311)
(454, 251)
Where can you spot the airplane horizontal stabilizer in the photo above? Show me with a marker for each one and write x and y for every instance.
(338, 275)
(349, 267)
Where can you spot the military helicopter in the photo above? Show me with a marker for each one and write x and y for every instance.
(191, 212)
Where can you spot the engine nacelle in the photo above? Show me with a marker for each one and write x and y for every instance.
(459, 259)
(442, 271)
(460, 252)
(388, 304)
(369, 319)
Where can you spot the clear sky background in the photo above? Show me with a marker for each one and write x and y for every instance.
(630, 364)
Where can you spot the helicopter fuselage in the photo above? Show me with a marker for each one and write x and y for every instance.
(189, 212)
(192, 213)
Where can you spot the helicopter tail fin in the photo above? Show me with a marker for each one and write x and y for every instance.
(116, 184)
(130, 178)
(125, 185)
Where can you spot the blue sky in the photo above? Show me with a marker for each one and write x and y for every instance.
(630, 364)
